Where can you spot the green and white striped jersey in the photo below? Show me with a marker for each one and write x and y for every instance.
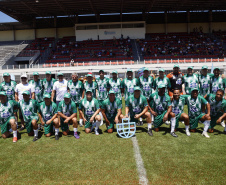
(159, 81)
(76, 89)
(136, 106)
(217, 83)
(67, 109)
(47, 112)
(129, 86)
(28, 109)
(190, 82)
(9, 88)
(93, 87)
(38, 87)
(48, 85)
(111, 108)
(178, 105)
(103, 85)
(7, 110)
(146, 84)
(116, 85)
(204, 82)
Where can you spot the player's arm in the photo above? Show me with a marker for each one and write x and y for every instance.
(126, 112)
(62, 115)
(165, 118)
(33, 95)
(94, 115)
(208, 109)
(82, 115)
(16, 96)
(142, 113)
(53, 94)
(40, 117)
(72, 116)
(83, 93)
(223, 117)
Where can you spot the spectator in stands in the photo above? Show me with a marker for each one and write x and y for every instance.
(72, 62)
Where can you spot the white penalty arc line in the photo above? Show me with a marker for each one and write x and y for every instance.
(139, 161)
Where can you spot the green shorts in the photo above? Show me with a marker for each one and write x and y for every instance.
(112, 122)
(88, 124)
(214, 120)
(48, 128)
(100, 102)
(195, 121)
(6, 126)
(177, 120)
(29, 125)
(64, 126)
(158, 120)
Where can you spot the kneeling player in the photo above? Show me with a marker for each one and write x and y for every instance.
(218, 108)
(112, 111)
(48, 116)
(161, 109)
(195, 102)
(178, 103)
(91, 109)
(137, 106)
(29, 109)
(7, 118)
(67, 113)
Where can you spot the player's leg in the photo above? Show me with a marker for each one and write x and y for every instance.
(148, 117)
(5, 129)
(48, 129)
(13, 124)
(98, 122)
(75, 126)
(185, 118)
(21, 121)
(64, 127)
(158, 121)
(206, 121)
(35, 128)
(172, 117)
(110, 128)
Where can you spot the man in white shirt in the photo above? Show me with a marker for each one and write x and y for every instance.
(20, 88)
(59, 88)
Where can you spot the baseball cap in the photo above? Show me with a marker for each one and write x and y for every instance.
(161, 69)
(67, 95)
(48, 72)
(146, 69)
(35, 73)
(23, 76)
(111, 92)
(129, 70)
(193, 89)
(204, 67)
(26, 92)
(60, 74)
(2, 93)
(89, 75)
(88, 90)
(190, 67)
(101, 70)
(176, 65)
(216, 68)
(161, 86)
(46, 95)
(116, 72)
(6, 74)
(137, 88)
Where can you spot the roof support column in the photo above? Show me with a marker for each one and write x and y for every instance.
(14, 34)
(210, 21)
(188, 22)
(34, 26)
(166, 29)
(55, 26)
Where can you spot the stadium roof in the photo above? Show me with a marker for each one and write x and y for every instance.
(27, 10)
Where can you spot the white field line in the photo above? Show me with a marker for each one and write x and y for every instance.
(140, 165)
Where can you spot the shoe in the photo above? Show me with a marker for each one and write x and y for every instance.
(35, 138)
(210, 130)
(41, 127)
(150, 132)
(156, 129)
(167, 122)
(223, 124)
(193, 130)
(76, 135)
(14, 139)
(188, 133)
(173, 134)
(205, 134)
(57, 137)
(138, 123)
(96, 132)
(21, 128)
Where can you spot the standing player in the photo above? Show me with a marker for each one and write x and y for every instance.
(38, 87)
(59, 88)
(90, 84)
(29, 110)
(8, 86)
(218, 108)
(116, 85)
(48, 84)
(161, 109)
(112, 111)
(129, 83)
(76, 89)
(137, 107)
(204, 81)
(67, 113)
(162, 79)
(7, 118)
(195, 102)
(178, 103)
(103, 88)
(90, 106)
(175, 78)
(190, 81)
(217, 82)
(48, 116)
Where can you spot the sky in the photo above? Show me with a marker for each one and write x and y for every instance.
(6, 18)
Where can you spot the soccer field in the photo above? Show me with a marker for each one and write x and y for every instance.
(108, 159)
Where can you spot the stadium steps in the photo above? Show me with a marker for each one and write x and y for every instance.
(136, 51)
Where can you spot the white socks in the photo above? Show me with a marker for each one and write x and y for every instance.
(101, 123)
(15, 133)
(173, 124)
(80, 121)
(141, 119)
(36, 132)
(97, 125)
(149, 126)
(206, 125)
(187, 127)
(56, 131)
(225, 129)
(75, 129)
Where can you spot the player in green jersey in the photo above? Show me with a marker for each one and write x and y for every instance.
(162, 79)
(137, 107)
(194, 103)
(178, 103)
(129, 83)
(116, 85)
(218, 108)
(38, 86)
(190, 81)
(161, 109)
(8, 86)
(29, 109)
(103, 88)
(48, 84)
(90, 106)
(67, 113)
(90, 84)
(217, 82)
(76, 89)
(48, 116)
(112, 111)
(7, 118)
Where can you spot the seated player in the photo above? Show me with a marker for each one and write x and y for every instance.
(48, 116)
(112, 111)
(218, 108)
(161, 109)
(7, 118)
(178, 103)
(67, 113)
(195, 102)
(137, 107)
(28, 108)
(91, 109)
